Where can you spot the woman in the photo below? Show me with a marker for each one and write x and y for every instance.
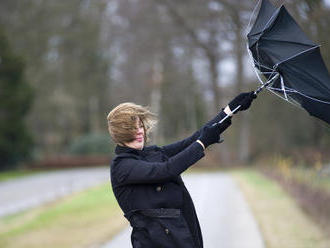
(146, 180)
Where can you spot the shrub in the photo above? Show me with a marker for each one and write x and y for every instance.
(92, 144)
(16, 97)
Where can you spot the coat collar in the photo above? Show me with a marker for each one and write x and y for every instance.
(125, 149)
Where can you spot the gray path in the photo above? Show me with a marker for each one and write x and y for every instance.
(225, 218)
(30, 191)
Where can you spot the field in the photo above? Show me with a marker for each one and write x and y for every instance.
(281, 220)
(81, 220)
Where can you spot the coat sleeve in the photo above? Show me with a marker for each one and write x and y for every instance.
(135, 171)
(217, 118)
(172, 149)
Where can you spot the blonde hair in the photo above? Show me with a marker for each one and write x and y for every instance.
(122, 121)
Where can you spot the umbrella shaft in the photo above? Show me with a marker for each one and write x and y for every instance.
(227, 116)
(261, 87)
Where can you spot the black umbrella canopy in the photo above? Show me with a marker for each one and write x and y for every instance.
(267, 10)
(278, 45)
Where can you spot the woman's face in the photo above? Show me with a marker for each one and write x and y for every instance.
(138, 142)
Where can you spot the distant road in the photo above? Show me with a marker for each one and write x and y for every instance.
(225, 218)
(31, 191)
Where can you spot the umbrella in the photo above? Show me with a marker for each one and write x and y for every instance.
(287, 62)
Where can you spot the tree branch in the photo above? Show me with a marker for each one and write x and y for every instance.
(184, 25)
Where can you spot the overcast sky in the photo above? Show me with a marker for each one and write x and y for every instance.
(327, 2)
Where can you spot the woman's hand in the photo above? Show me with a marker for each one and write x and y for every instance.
(210, 134)
(243, 99)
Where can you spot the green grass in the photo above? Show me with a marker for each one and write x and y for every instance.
(67, 223)
(282, 222)
(312, 177)
(7, 175)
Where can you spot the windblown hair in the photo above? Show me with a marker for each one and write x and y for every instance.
(122, 122)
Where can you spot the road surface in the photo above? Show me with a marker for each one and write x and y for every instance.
(31, 191)
(225, 218)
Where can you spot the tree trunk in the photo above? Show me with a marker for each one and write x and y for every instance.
(243, 120)
(155, 96)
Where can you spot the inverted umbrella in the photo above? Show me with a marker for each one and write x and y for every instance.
(287, 62)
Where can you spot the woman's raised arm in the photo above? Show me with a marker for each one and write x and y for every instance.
(135, 171)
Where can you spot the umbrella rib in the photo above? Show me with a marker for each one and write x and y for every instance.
(265, 28)
(296, 55)
(256, 70)
(293, 102)
(288, 41)
(260, 65)
(270, 19)
(298, 92)
(254, 62)
(311, 98)
(283, 88)
(253, 13)
(257, 62)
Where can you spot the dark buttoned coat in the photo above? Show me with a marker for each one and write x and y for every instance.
(150, 191)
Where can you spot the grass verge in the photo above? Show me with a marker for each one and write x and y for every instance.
(282, 223)
(7, 175)
(81, 220)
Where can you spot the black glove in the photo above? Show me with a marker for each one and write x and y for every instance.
(243, 99)
(210, 134)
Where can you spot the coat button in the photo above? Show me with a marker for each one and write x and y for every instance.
(167, 231)
(159, 188)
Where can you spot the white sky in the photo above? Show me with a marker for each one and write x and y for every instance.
(327, 2)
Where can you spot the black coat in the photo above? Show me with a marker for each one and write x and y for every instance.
(151, 193)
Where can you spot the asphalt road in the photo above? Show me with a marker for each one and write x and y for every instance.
(225, 218)
(22, 193)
